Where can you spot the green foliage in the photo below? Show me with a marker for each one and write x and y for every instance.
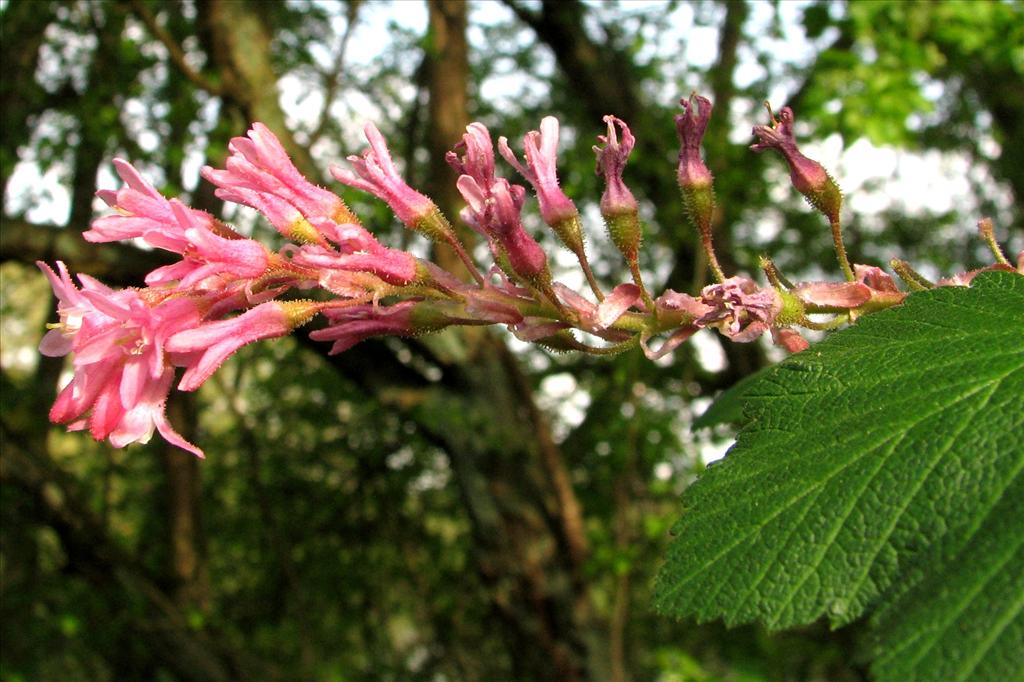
(883, 463)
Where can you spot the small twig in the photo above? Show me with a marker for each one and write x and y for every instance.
(333, 79)
(174, 50)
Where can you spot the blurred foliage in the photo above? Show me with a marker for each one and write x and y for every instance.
(338, 542)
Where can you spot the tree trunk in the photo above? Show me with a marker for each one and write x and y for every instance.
(186, 563)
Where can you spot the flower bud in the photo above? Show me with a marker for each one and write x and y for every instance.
(808, 176)
(695, 180)
(618, 205)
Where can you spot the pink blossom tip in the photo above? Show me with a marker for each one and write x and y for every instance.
(540, 170)
(375, 173)
(692, 173)
(611, 163)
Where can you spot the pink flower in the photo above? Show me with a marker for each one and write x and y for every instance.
(477, 160)
(214, 342)
(145, 213)
(541, 171)
(690, 126)
(833, 294)
(680, 309)
(122, 376)
(359, 252)
(876, 278)
(209, 247)
(208, 256)
(611, 162)
(740, 309)
(532, 329)
(260, 163)
(71, 307)
(494, 211)
(682, 305)
(391, 265)
(490, 305)
(285, 218)
(873, 289)
(376, 173)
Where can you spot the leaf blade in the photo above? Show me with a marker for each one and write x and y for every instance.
(862, 456)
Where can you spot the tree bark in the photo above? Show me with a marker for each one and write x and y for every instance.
(240, 43)
(447, 65)
(186, 565)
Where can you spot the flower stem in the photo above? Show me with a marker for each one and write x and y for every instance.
(709, 251)
(634, 268)
(915, 280)
(837, 240)
(460, 250)
(581, 256)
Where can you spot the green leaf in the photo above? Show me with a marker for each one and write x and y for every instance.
(870, 464)
(728, 406)
(964, 622)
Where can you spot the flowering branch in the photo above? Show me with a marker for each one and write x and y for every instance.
(227, 291)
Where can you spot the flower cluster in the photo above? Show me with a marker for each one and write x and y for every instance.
(226, 291)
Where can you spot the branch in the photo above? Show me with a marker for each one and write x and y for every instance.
(174, 50)
(118, 264)
(333, 79)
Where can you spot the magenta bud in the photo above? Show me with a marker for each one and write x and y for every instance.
(618, 205)
(691, 125)
(694, 178)
(808, 176)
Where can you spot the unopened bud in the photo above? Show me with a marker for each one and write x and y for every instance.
(695, 180)
(808, 176)
(618, 205)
